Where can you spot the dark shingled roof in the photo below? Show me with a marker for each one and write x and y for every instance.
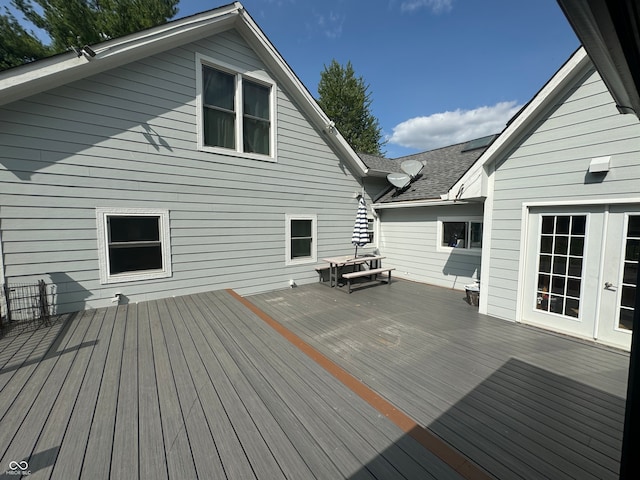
(443, 167)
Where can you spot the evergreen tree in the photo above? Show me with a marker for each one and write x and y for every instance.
(17, 46)
(347, 102)
(77, 23)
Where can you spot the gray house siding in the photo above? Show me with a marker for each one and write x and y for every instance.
(550, 164)
(127, 138)
(409, 241)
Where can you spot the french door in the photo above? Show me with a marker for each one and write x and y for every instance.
(580, 271)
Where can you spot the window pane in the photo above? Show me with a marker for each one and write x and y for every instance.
(632, 250)
(626, 319)
(577, 246)
(575, 267)
(219, 128)
(545, 263)
(630, 273)
(634, 226)
(256, 100)
(256, 136)
(560, 292)
(453, 234)
(556, 304)
(133, 229)
(218, 88)
(300, 247)
(561, 245)
(578, 225)
(557, 285)
(300, 228)
(572, 308)
(628, 296)
(562, 225)
(573, 287)
(136, 258)
(560, 265)
(547, 225)
(476, 235)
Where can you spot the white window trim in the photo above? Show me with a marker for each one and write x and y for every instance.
(254, 76)
(439, 232)
(103, 249)
(314, 240)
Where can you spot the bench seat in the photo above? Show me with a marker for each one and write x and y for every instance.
(321, 269)
(368, 273)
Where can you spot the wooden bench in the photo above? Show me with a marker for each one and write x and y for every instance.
(368, 273)
(321, 269)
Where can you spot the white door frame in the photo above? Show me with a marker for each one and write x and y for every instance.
(524, 231)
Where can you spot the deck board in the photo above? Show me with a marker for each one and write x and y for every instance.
(521, 402)
(200, 387)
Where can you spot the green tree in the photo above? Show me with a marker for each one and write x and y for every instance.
(346, 100)
(79, 22)
(17, 46)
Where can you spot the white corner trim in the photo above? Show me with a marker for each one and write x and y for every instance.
(2, 278)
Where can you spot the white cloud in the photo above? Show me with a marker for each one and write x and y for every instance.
(436, 6)
(330, 24)
(448, 128)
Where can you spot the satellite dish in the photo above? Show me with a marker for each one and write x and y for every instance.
(412, 167)
(399, 180)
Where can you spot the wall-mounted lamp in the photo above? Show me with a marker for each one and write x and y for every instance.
(331, 126)
(600, 164)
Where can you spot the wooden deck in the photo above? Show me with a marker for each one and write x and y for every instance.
(201, 387)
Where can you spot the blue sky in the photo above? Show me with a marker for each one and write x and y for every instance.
(439, 71)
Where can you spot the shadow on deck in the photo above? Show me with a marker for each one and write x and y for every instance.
(200, 387)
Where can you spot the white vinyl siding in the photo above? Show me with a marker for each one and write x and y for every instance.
(550, 164)
(409, 239)
(128, 137)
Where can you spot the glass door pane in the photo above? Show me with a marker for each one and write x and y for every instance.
(560, 260)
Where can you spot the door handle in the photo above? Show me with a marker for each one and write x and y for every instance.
(609, 286)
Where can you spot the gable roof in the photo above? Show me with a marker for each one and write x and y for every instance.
(472, 184)
(442, 168)
(610, 32)
(35, 77)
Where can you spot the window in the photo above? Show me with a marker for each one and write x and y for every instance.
(133, 244)
(235, 111)
(460, 233)
(371, 230)
(560, 264)
(630, 273)
(301, 234)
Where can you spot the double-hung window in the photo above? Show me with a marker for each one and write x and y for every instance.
(301, 233)
(462, 234)
(133, 244)
(236, 111)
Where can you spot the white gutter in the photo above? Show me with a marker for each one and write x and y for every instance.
(419, 203)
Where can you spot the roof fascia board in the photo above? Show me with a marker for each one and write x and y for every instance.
(609, 31)
(32, 78)
(418, 203)
(252, 33)
(574, 67)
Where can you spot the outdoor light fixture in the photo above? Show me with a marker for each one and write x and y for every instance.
(88, 52)
(599, 164)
